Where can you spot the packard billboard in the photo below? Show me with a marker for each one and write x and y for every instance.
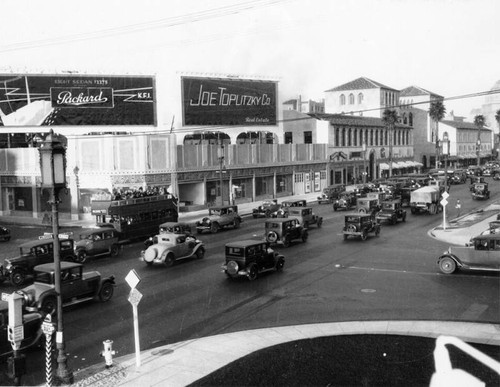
(42, 100)
(214, 101)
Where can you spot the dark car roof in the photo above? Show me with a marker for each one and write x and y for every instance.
(172, 224)
(49, 267)
(244, 243)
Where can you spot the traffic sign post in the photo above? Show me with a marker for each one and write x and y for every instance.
(134, 298)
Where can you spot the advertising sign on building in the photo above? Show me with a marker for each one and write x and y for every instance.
(43, 100)
(214, 101)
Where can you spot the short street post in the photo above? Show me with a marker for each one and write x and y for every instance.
(48, 328)
(444, 202)
(16, 365)
(134, 298)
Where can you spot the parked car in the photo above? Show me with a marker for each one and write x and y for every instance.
(172, 228)
(32, 329)
(331, 193)
(266, 209)
(286, 205)
(459, 176)
(249, 258)
(480, 191)
(284, 231)
(219, 217)
(482, 254)
(96, 242)
(345, 201)
(76, 287)
(4, 234)
(367, 205)
(173, 247)
(476, 180)
(391, 212)
(360, 225)
(31, 254)
(305, 216)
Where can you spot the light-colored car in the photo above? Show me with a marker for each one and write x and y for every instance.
(173, 247)
(219, 217)
(305, 216)
(483, 253)
(96, 242)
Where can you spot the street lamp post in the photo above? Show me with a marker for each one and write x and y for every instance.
(221, 162)
(478, 151)
(53, 170)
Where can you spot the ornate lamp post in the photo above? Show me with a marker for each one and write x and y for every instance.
(53, 169)
(221, 162)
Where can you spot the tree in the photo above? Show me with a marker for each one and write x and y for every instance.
(479, 122)
(497, 118)
(389, 118)
(437, 111)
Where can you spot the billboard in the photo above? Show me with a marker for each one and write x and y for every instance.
(215, 101)
(42, 100)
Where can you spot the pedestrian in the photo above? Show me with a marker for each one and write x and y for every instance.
(458, 206)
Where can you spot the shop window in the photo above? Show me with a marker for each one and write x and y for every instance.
(308, 139)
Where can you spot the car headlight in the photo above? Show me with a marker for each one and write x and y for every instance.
(8, 266)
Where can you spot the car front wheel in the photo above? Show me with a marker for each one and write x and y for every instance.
(49, 305)
(169, 261)
(253, 273)
(200, 253)
(81, 256)
(364, 235)
(114, 250)
(106, 292)
(280, 264)
(214, 228)
(447, 265)
(18, 277)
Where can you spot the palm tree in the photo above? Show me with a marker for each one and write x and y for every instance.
(437, 111)
(389, 118)
(479, 122)
(497, 118)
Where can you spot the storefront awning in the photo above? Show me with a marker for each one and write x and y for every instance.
(384, 166)
(417, 164)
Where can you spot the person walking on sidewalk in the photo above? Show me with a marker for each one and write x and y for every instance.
(458, 206)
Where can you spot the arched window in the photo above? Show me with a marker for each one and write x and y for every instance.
(360, 98)
(343, 137)
(351, 99)
(410, 119)
(405, 119)
(386, 137)
(337, 136)
(342, 99)
(371, 137)
(349, 133)
(376, 137)
(355, 137)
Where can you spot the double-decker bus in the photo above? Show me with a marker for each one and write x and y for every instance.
(135, 218)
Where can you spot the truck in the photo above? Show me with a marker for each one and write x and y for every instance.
(425, 199)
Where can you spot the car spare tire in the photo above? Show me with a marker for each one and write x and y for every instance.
(272, 237)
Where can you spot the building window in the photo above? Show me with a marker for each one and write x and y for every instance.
(351, 99)
(337, 137)
(349, 138)
(299, 177)
(342, 99)
(308, 137)
(288, 138)
(343, 137)
(410, 119)
(322, 175)
(376, 137)
(355, 137)
(371, 137)
(360, 98)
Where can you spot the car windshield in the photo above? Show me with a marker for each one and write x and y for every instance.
(89, 237)
(235, 251)
(43, 277)
(387, 206)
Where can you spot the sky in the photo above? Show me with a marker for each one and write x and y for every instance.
(449, 47)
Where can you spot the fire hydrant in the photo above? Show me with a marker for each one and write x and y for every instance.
(108, 352)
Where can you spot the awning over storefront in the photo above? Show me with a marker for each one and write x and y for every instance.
(417, 164)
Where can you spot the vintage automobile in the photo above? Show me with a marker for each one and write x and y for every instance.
(345, 201)
(331, 193)
(219, 217)
(173, 247)
(476, 180)
(34, 253)
(360, 225)
(96, 242)
(4, 234)
(391, 212)
(286, 205)
(266, 209)
(284, 231)
(172, 228)
(32, 329)
(482, 254)
(458, 176)
(249, 258)
(367, 205)
(76, 287)
(480, 191)
(305, 216)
